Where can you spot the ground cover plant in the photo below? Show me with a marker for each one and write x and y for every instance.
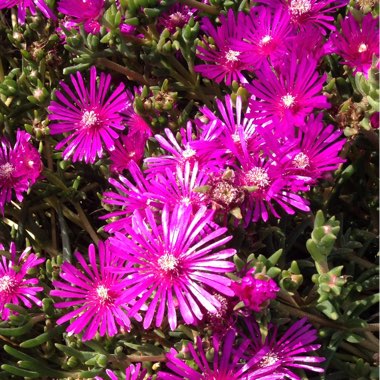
(189, 189)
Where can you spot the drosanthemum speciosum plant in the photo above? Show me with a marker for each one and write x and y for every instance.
(177, 145)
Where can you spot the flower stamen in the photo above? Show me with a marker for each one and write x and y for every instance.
(258, 177)
(288, 100)
(299, 7)
(168, 262)
(232, 55)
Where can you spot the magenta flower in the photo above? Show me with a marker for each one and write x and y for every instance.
(288, 351)
(289, 96)
(180, 187)
(130, 196)
(227, 131)
(229, 362)
(15, 286)
(96, 293)
(188, 150)
(224, 61)
(20, 167)
(358, 42)
(174, 265)
(310, 44)
(316, 149)
(90, 116)
(266, 36)
(32, 5)
(87, 12)
(132, 372)
(266, 185)
(177, 16)
(255, 290)
(309, 12)
(130, 147)
(127, 149)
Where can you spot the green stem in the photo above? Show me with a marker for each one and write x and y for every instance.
(85, 223)
(153, 358)
(210, 9)
(360, 261)
(130, 74)
(322, 267)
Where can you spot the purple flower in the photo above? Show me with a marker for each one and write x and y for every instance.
(289, 96)
(130, 147)
(177, 16)
(188, 150)
(358, 42)
(266, 35)
(227, 131)
(132, 372)
(87, 12)
(20, 167)
(96, 293)
(316, 149)
(310, 44)
(127, 148)
(267, 184)
(32, 5)
(255, 290)
(180, 187)
(15, 286)
(309, 12)
(288, 351)
(90, 116)
(128, 198)
(227, 363)
(224, 61)
(174, 265)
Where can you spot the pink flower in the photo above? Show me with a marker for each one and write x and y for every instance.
(87, 12)
(32, 5)
(96, 293)
(309, 12)
(127, 148)
(180, 187)
(130, 195)
(224, 61)
(287, 97)
(20, 167)
(267, 184)
(15, 286)
(316, 149)
(130, 147)
(289, 351)
(357, 42)
(229, 362)
(190, 150)
(91, 117)
(132, 372)
(177, 16)
(175, 264)
(266, 36)
(255, 290)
